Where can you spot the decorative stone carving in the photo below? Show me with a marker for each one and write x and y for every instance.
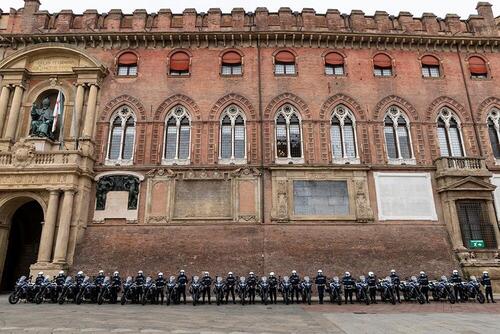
(117, 183)
(282, 193)
(162, 172)
(23, 153)
(246, 172)
(364, 213)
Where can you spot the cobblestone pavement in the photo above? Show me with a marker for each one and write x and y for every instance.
(182, 319)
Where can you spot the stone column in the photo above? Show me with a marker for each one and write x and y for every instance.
(75, 126)
(88, 127)
(64, 226)
(49, 227)
(14, 112)
(4, 102)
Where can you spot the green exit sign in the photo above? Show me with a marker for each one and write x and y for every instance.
(476, 243)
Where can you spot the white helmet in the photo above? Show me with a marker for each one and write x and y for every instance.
(206, 273)
(370, 273)
(393, 271)
(320, 271)
(61, 272)
(271, 273)
(230, 273)
(347, 273)
(116, 273)
(455, 272)
(160, 274)
(80, 273)
(294, 271)
(251, 273)
(40, 273)
(422, 273)
(140, 272)
(101, 272)
(485, 272)
(182, 271)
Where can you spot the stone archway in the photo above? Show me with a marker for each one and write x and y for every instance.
(20, 232)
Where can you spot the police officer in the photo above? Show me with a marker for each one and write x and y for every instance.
(320, 281)
(116, 285)
(160, 287)
(206, 283)
(60, 280)
(252, 285)
(423, 282)
(99, 278)
(230, 285)
(79, 278)
(457, 285)
(488, 291)
(349, 286)
(39, 278)
(396, 281)
(182, 281)
(139, 281)
(295, 281)
(273, 287)
(371, 282)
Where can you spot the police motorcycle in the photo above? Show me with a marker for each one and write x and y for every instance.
(86, 292)
(306, 289)
(22, 291)
(411, 290)
(69, 291)
(285, 289)
(105, 292)
(219, 288)
(195, 289)
(472, 290)
(263, 290)
(362, 291)
(48, 291)
(334, 289)
(130, 291)
(149, 292)
(442, 290)
(387, 290)
(171, 290)
(242, 289)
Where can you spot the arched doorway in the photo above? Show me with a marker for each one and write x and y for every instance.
(23, 243)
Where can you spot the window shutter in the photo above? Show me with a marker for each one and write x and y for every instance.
(231, 57)
(477, 66)
(430, 61)
(128, 58)
(285, 57)
(334, 59)
(382, 61)
(179, 61)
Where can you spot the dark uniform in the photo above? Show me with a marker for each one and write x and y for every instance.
(371, 281)
(396, 281)
(116, 286)
(423, 282)
(60, 280)
(139, 281)
(182, 281)
(79, 279)
(349, 287)
(252, 285)
(160, 288)
(230, 284)
(295, 281)
(273, 288)
(39, 280)
(457, 286)
(486, 282)
(206, 282)
(320, 281)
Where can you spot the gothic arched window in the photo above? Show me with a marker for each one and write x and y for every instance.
(494, 131)
(397, 136)
(232, 148)
(343, 135)
(177, 137)
(121, 137)
(288, 135)
(449, 136)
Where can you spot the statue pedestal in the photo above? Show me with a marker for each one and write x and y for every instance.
(43, 144)
(50, 269)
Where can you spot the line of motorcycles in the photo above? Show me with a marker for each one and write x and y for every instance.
(88, 292)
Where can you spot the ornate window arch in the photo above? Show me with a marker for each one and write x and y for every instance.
(232, 137)
(343, 136)
(288, 135)
(449, 134)
(431, 66)
(493, 122)
(177, 142)
(397, 137)
(121, 141)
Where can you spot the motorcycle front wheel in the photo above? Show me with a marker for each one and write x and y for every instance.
(123, 300)
(13, 298)
(480, 297)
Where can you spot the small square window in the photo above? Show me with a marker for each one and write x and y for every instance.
(478, 76)
(284, 69)
(429, 71)
(334, 69)
(125, 70)
(382, 72)
(231, 69)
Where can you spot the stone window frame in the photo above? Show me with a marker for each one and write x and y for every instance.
(174, 112)
(394, 112)
(344, 64)
(295, 63)
(486, 63)
(494, 116)
(342, 112)
(233, 111)
(124, 112)
(117, 64)
(221, 63)
(429, 67)
(393, 66)
(287, 110)
(447, 114)
(173, 52)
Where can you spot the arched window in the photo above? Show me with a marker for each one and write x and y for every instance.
(284, 63)
(430, 67)
(382, 65)
(494, 131)
(127, 64)
(449, 136)
(397, 136)
(288, 134)
(231, 63)
(334, 64)
(177, 137)
(478, 68)
(232, 136)
(343, 135)
(122, 137)
(179, 64)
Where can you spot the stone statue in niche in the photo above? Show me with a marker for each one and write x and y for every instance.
(127, 183)
(42, 120)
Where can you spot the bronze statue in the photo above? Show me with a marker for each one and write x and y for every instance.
(42, 120)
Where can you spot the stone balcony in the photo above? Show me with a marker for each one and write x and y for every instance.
(461, 167)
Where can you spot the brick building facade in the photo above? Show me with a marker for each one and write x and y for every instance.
(249, 141)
